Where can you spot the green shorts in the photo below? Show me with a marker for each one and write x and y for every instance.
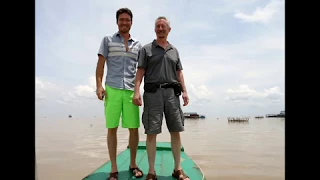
(119, 102)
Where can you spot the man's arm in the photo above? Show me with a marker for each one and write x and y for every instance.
(185, 96)
(100, 70)
(181, 80)
(102, 54)
(139, 77)
(180, 74)
(142, 64)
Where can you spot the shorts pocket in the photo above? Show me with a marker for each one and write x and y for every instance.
(181, 116)
(145, 118)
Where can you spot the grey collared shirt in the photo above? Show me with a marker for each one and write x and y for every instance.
(121, 64)
(161, 65)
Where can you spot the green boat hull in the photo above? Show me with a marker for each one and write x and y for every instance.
(164, 164)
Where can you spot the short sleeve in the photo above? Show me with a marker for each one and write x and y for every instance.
(104, 49)
(179, 65)
(142, 58)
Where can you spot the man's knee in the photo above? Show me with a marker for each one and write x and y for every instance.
(151, 137)
(112, 131)
(133, 131)
(175, 134)
(152, 131)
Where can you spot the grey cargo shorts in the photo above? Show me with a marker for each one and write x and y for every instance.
(163, 101)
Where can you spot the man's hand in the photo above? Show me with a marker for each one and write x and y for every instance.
(137, 99)
(185, 98)
(101, 93)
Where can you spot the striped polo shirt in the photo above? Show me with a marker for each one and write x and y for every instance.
(121, 64)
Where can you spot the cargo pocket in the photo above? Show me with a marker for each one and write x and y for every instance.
(145, 118)
(181, 116)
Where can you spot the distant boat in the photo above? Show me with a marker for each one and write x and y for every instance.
(259, 117)
(193, 115)
(281, 115)
(238, 119)
(70, 116)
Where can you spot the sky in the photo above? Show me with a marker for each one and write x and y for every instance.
(232, 52)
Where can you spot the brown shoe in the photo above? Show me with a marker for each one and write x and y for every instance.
(176, 174)
(113, 175)
(151, 177)
(134, 171)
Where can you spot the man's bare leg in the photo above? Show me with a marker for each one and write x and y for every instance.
(112, 147)
(176, 150)
(133, 145)
(151, 150)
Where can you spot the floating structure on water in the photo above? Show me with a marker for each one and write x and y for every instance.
(238, 119)
(259, 117)
(281, 115)
(70, 116)
(193, 115)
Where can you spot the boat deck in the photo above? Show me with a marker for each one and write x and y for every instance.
(164, 164)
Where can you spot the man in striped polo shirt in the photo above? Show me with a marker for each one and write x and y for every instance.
(119, 52)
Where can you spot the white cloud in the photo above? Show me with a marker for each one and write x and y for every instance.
(243, 93)
(263, 15)
(43, 88)
(222, 58)
(273, 93)
(200, 94)
(80, 94)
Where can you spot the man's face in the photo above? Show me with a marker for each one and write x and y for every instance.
(124, 23)
(162, 28)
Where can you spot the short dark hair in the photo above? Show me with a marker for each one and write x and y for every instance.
(123, 10)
